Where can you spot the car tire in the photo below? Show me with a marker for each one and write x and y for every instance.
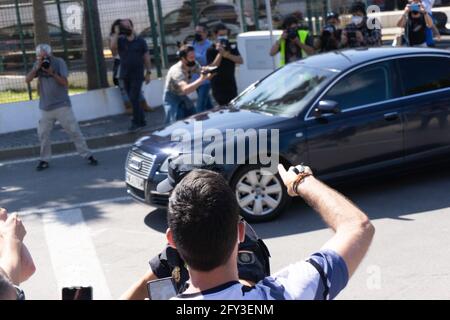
(260, 198)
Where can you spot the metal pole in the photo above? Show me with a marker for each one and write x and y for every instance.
(63, 31)
(194, 12)
(162, 34)
(94, 44)
(241, 8)
(309, 13)
(153, 27)
(22, 47)
(256, 14)
(269, 21)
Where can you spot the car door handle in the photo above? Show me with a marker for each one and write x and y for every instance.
(391, 116)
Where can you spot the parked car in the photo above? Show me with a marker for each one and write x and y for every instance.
(12, 51)
(179, 24)
(344, 113)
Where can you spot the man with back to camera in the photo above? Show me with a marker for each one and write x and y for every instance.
(357, 34)
(55, 104)
(204, 227)
(224, 55)
(295, 42)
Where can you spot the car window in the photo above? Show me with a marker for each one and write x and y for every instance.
(54, 30)
(365, 86)
(177, 19)
(224, 13)
(285, 92)
(423, 74)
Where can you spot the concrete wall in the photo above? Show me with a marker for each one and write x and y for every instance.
(87, 106)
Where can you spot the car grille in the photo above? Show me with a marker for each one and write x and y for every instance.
(140, 163)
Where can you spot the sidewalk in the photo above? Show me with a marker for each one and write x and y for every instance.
(99, 133)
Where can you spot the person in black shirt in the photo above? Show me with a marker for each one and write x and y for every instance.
(134, 56)
(225, 56)
(415, 20)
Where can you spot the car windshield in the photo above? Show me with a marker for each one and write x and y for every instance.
(284, 92)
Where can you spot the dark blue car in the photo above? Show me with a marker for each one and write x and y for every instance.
(342, 113)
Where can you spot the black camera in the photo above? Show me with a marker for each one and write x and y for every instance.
(292, 33)
(45, 63)
(225, 43)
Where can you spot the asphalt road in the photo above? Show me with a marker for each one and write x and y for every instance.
(84, 230)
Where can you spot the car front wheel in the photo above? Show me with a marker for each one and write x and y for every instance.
(260, 194)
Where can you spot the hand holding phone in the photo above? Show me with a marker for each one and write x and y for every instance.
(161, 289)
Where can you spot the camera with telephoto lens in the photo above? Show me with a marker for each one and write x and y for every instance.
(45, 63)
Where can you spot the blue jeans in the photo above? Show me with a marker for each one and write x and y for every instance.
(429, 34)
(133, 90)
(177, 107)
(204, 100)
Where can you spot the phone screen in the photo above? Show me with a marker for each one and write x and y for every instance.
(161, 289)
(77, 293)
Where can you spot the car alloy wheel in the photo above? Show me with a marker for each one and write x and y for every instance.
(261, 195)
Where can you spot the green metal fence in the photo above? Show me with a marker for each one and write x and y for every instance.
(79, 32)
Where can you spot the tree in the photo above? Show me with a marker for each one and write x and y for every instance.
(95, 60)
(41, 33)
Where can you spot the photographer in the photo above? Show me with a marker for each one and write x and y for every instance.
(415, 21)
(224, 55)
(357, 34)
(253, 256)
(294, 44)
(331, 33)
(205, 228)
(134, 55)
(55, 105)
(179, 85)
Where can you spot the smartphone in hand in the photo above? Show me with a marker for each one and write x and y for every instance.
(161, 289)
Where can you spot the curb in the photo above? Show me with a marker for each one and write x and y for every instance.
(93, 143)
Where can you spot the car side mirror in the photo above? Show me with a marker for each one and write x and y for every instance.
(326, 107)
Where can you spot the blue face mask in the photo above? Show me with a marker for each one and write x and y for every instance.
(357, 20)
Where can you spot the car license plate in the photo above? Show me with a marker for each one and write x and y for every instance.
(134, 181)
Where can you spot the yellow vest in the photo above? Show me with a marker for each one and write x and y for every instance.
(302, 35)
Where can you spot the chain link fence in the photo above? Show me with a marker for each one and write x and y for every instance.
(163, 24)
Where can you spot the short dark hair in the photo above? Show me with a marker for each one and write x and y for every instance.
(203, 215)
(184, 50)
(358, 6)
(288, 21)
(219, 27)
(202, 25)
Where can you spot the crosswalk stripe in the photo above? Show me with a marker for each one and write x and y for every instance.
(72, 252)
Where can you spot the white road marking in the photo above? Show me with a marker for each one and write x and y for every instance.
(72, 253)
(65, 155)
(27, 212)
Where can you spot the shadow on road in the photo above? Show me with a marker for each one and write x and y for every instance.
(389, 197)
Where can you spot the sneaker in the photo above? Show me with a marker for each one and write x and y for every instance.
(92, 161)
(42, 165)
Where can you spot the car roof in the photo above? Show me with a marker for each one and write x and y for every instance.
(344, 59)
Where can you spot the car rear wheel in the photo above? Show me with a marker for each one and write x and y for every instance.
(260, 194)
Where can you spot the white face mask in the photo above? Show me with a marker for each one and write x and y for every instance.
(357, 20)
(222, 38)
